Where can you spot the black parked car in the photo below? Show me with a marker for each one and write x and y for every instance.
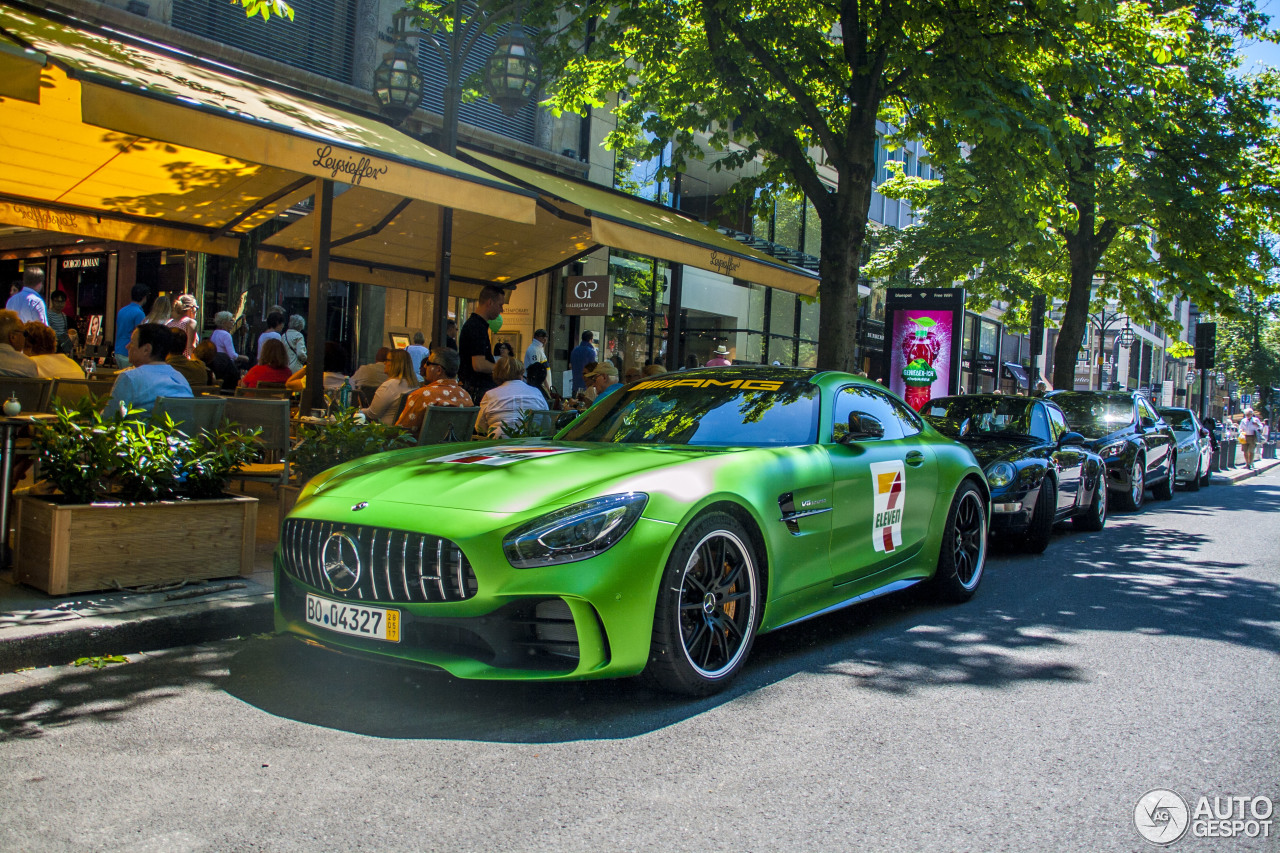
(1040, 473)
(1123, 428)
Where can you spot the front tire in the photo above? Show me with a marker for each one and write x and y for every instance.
(1041, 528)
(964, 546)
(1131, 501)
(1193, 485)
(708, 608)
(1163, 490)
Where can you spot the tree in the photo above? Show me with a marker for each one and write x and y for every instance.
(265, 8)
(800, 85)
(1248, 346)
(1148, 167)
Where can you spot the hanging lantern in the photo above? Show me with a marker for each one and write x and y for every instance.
(1126, 336)
(511, 75)
(397, 83)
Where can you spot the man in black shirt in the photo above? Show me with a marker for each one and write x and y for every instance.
(474, 348)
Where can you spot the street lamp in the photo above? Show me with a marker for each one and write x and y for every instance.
(397, 82)
(1102, 320)
(510, 78)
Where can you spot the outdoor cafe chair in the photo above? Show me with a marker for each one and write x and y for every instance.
(443, 424)
(541, 423)
(273, 417)
(71, 391)
(34, 394)
(191, 414)
(265, 390)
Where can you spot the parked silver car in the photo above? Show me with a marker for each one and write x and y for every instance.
(1195, 448)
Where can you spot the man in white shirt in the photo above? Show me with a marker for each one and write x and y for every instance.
(417, 352)
(537, 351)
(12, 342)
(27, 302)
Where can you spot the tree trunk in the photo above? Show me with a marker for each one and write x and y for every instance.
(843, 233)
(1075, 316)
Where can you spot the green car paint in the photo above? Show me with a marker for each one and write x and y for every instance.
(861, 517)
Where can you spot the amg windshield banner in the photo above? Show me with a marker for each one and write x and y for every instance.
(922, 342)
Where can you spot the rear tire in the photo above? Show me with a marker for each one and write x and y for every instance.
(1095, 517)
(1041, 528)
(964, 546)
(1131, 501)
(708, 608)
(1163, 490)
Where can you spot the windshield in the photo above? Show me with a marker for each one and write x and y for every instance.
(986, 415)
(703, 411)
(1179, 419)
(1095, 416)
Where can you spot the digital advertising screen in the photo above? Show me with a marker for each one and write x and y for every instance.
(922, 343)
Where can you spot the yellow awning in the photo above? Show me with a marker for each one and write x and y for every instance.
(97, 129)
(634, 225)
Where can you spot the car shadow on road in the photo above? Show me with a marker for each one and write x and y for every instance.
(1138, 577)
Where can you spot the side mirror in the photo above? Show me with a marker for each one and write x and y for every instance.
(862, 426)
(565, 419)
(1073, 439)
(1145, 423)
(1204, 433)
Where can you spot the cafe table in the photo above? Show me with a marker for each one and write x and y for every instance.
(9, 424)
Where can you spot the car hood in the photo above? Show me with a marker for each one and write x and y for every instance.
(988, 451)
(505, 476)
(1110, 438)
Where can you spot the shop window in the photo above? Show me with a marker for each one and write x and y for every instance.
(782, 313)
(812, 231)
(781, 350)
(808, 320)
(807, 354)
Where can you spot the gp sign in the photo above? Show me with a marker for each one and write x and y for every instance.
(586, 295)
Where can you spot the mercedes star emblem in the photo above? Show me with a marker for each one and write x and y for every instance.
(340, 559)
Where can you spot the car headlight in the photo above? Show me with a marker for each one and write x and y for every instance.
(576, 532)
(1112, 450)
(1000, 474)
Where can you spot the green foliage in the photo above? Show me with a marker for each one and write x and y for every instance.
(265, 8)
(1180, 349)
(1248, 346)
(90, 458)
(322, 446)
(100, 661)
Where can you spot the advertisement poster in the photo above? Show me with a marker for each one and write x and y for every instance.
(923, 343)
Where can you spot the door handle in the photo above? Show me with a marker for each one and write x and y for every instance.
(915, 459)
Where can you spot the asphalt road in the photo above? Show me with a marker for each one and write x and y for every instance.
(1032, 718)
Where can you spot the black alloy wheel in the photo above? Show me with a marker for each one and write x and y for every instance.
(708, 608)
(1095, 517)
(964, 546)
(1163, 490)
(1131, 501)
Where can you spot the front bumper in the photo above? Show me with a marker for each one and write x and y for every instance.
(1119, 474)
(590, 619)
(1011, 513)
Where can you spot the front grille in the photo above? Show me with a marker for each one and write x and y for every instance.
(395, 565)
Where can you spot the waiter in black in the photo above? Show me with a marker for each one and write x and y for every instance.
(474, 348)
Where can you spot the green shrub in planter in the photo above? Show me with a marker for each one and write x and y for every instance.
(90, 458)
(322, 446)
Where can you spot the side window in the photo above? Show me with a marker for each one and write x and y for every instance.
(1145, 410)
(1057, 422)
(1039, 424)
(909, 420)
(858, 398)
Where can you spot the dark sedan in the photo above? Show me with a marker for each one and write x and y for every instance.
(1123, 428)
(1040, 472)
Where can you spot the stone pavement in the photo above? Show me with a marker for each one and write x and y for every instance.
(44, 630)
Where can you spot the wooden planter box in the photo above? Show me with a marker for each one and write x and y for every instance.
(67, 548)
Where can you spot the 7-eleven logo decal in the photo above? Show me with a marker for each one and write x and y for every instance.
(889, 486)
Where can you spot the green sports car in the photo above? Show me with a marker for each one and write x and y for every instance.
(658, 533)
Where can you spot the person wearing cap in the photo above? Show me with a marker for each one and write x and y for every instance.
(439, 388)
(604, 379)
(506, 404)
(1250, 430)
(719, 357)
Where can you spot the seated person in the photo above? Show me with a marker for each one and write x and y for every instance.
(441, 388)
(12, 343)
(506, 404)
(150, 376)
(400, 381)
(272, 366)
(602, 379)
(335, 371)
(40, 346)
(372, 375)
(221, 365)
(192, 369)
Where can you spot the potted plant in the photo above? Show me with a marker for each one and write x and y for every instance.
(347, 436)
(134, 502)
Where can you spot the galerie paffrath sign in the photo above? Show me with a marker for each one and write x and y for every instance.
(587, 295)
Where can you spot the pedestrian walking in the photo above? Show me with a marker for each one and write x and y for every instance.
(1250, 432)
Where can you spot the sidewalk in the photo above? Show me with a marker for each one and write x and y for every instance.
(47, 630)
(43, 630)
